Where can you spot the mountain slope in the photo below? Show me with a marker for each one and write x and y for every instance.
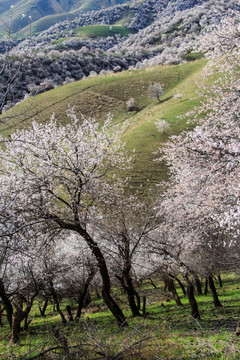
(101, 95)
(42, 8)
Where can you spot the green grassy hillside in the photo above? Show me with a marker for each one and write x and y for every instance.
(102, 30)
(101, 95)
(44, 23)
(45, 13)
(49, 20)
(97, 31)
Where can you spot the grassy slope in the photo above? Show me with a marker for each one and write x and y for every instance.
(96, 97)
(44, 23)
(97, 31)
(41, 22)
(102, 30)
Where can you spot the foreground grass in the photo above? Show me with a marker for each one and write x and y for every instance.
(167, 332)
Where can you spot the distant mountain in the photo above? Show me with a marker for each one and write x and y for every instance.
(11, 11)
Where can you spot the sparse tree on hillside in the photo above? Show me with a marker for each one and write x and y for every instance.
(130, 104)
(155, 91)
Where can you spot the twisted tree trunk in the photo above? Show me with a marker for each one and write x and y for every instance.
(181, 285)
(106, 284)
(19, 315)
(212, 287)
(56, 302)
(172, 289)
(43, 310)
(198, 285)
(82, 295)
(192, 301)
(7, 303)
(206, 287)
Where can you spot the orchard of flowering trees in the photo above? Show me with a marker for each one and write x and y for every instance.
(67, 225)
(201, 206)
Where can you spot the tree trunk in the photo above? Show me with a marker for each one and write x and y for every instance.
(171, 287)
(131, 300)
(69, 310)
(152, 283)
(220, 280)
(212, 287)
(81, 297)
(106, 284)
(144, 305)
(56, 302)
(16, 327)
(138, 300)
(129, 289)
(27, 322)
(192, 301)
(6, 302)
(19, 316)
(206, 287)
(1, 311)
(198, 285)
(181, 285)
(43, 310)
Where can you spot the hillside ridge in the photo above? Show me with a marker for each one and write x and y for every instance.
(41, 8)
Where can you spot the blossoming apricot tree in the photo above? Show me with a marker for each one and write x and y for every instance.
(60, 177)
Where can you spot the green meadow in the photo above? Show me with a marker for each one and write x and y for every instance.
(102, 31)
(165, 332)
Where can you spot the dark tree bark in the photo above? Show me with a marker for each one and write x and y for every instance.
(181, 286)
(138, 300)
(19, 315)
(212, 287)
(192, 301)
(83, 294)
(56, 302)
(27, 323)
(43, 310)
(198, 286)
(152, 283)
(106, 284)
(1, 311)
(126, 282)
(220, 280)
(172, 289)
(206, 287)
(70, 315)
(6, 302)
(131, 293)
(88, 299)
(144, 305)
